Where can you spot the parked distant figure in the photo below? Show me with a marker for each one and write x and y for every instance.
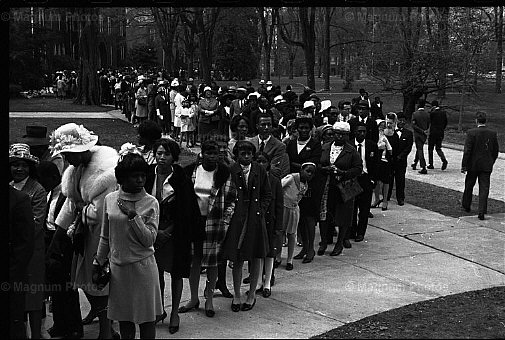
(438, 123)
(481, 151)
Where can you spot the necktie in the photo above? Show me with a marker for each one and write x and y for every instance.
(363, 120)
(262, 146)
(359, 149)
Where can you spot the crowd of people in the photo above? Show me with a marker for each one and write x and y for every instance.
(271, 167)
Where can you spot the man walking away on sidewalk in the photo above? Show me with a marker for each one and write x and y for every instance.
(421, 125)
(481, 151)
(438, 123)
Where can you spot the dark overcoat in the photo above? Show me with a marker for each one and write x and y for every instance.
(250, 211)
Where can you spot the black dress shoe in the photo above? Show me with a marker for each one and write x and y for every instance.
(277, 263)
(481, 217)
(185, 309)
(414, 166)
(308, 259)
(444, 165)
(401, 202)
(359, 238)
(224, 290)
(74, 335)
(289, 266)
(247, 306)
(266, 292)
(423, 171)
(347, 244)
(321, 250)
(466, 209)
(337, 250)
(300, 255)
(92, 315)
(247, 280)
(161, 317)
(430, 167)
(370, 215)
(235, 307)
(259, 290)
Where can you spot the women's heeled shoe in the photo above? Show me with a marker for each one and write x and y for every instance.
(209, 312)
(376, 205)
(172, 329)
(247, 306)
(161, 317)
(185, 309)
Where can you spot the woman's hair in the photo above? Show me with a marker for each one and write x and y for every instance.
(169, 145)
(149, 130)
(243, 145)
(236, 120)
(209, 144)
(130, 163)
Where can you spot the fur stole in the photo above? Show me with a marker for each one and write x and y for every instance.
(83, 183)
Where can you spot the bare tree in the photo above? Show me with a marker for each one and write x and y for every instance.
(202, 21)
(87, 81)
(267, 19)
(498, 23)
(167, 21)
(306, 18)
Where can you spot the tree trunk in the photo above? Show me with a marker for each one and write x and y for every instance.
(87, 85)
(409, 103)
(308, 38)
(291, 67)
(499, 46)
(205, 59)
(266, 64)
(326, 48)
(443, 29)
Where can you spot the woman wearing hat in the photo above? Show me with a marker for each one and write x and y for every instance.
(208, 113)
(301, 150)
(339, 162)
(23, 177)
(141, 101)
(85, 183)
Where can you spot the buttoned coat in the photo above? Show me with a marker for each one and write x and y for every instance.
(249, 217)
(481, 150)
(310, 153)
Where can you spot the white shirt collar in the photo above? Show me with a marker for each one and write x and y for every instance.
(264, 140)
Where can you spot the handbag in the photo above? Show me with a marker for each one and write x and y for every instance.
(349, 189)
(80, 234)
(102, 277)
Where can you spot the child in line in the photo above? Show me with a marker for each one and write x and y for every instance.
(294, 186)
(186, 114)
(273, 221)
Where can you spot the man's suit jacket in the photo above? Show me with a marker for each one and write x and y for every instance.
(372, 130)
(438, 122)
(276, 149)
(376, 110)
(371, 156)
(402, 146)
(481, 150)
(236, 107)
(310, 153)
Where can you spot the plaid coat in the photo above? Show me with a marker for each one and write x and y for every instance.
(223, 197)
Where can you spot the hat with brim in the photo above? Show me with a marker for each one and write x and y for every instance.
(342, 127)
(21, 151)
(228, 96)
(324, 128)
(278, 99)
(253, 95)
(36, 135)
(325, 104)
(308, 103)
(72, 138)
(207, 88)
(363, 104)
(241, 89)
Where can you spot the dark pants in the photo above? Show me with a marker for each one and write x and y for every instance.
(484, 181)
(435, 142)
(17, 329)
(419, 141)
(361, 211)
(66, 310)
(307, 225)
(398, 177)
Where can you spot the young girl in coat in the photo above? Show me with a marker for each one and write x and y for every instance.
(273, 221)
(294, 187)
(186, 114)
(246, 238)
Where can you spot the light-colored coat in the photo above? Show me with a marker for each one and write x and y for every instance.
(89, 184)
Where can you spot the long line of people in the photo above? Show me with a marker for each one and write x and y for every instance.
(269, 171)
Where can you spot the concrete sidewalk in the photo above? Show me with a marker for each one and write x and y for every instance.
(409, 255)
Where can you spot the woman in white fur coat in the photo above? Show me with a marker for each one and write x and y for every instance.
(85, 183)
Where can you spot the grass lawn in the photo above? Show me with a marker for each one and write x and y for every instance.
(51, 104)
(470, 315)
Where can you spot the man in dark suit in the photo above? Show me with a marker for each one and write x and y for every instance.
(438, 123)
(264, 141)
(421, 125)
(369, 156)
(402, 142)
(238, 104)
(372, 130)
(376, 109)
(289, 95)
(481, 151)
(21, 242)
